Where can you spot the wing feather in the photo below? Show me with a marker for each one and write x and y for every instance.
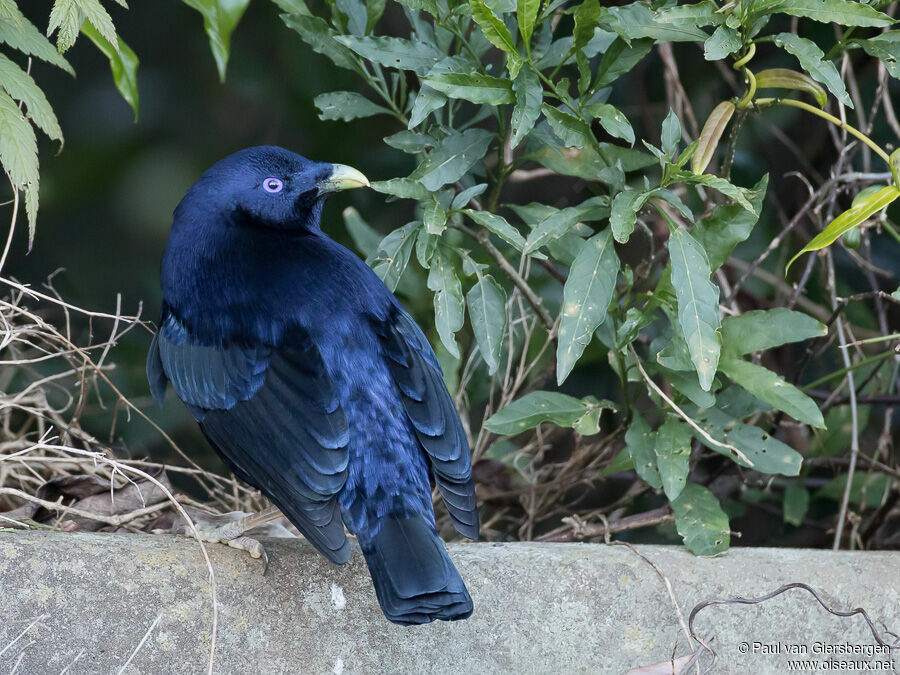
(431, 411)
(273, 414)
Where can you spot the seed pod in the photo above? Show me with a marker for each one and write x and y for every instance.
(710, 136)
(784, 78)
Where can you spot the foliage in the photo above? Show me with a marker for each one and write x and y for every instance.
(481, 90)
(628, 277)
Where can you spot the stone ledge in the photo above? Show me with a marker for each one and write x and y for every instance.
(538, 608)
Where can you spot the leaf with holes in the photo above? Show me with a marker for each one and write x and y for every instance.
(701, 521)
(586, 296)
(641, 442)
(698, 304)
(773, 389)
(673, 455)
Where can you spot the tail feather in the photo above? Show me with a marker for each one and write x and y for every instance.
(414, 578)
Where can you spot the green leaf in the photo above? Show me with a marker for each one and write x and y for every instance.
(855, 215)
(321, 39)
(492, 27)
(487, 311)
(687, 384)
(621, 462)
(698, 303)
(364, 237)
(427, 101)
(449, 307)
(426, 245)
(766, 453)
(99, 19)
(843, 12)
(637, 20)
(542, 406)
(705, 13)
(409, 141)
(812, 61)
(701, 521)
(671, 134)
(736, 193)
(587, 293)
(673, 455)
(573, 131)
(529, 94)
(641, 443)
(871, 488)
(220, 18)
(390, 260)
(840, 423)
(721, 43)
(729, 225)
(404, 188)
(19, 33)
(499, 226)
(619, 59)
(346, 106)
(355, 12)
(473, 87)
(19, 85)
(467, 195)
(526, 13)
(773, 389)
(374, 10)
(434, 218)
(123, 63)
(760, 329)
(586, 163)
(552, 227)
(452, 158)
(391, 52)
(18, 154)
(796, 504)
(623, 215)
(65, 21)
(613, 121)
(586, 15)
(886, 47)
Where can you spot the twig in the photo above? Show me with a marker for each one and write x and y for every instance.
(141, 643)
(709, 439)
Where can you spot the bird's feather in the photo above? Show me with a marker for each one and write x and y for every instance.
(274, 416)
(430, 408)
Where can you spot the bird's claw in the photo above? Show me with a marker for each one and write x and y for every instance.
(223, 534)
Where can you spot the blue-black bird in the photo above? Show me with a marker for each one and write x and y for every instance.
(310, 380)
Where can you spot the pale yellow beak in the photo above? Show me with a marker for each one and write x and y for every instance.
(343, 178)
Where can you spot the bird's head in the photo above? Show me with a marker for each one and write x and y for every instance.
(269, 186)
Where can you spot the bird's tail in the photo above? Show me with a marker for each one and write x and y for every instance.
(414, 578)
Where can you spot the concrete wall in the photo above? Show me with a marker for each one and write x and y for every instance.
(539, 608)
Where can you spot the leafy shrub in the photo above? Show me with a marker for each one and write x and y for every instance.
(627, 286)
(483, 90)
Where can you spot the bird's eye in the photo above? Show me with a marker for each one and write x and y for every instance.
(273, 185)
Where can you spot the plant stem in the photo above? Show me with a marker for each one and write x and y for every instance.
(831, 118)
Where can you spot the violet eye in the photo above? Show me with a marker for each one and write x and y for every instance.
(273, 185)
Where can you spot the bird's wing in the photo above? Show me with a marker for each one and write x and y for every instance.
(274, 416)
(430, 408)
